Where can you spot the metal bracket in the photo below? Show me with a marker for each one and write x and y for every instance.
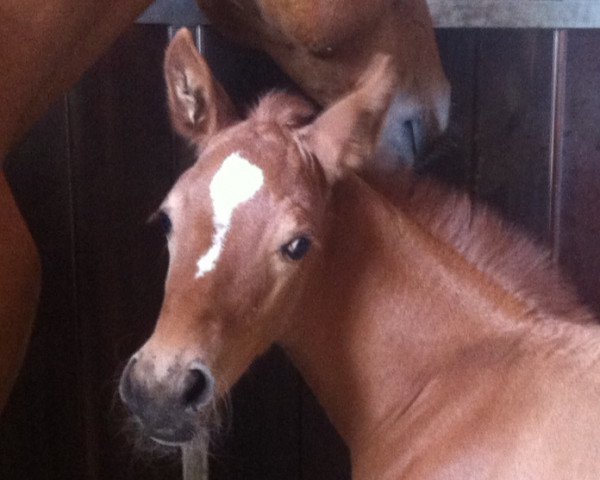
(180, 13)
(446, 13)
(550, 14)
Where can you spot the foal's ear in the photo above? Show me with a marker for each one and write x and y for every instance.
(198, 105)
(345, 135)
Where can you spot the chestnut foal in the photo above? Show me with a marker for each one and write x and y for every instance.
(441, 344)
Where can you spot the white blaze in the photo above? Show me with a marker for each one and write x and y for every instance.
(236, 182)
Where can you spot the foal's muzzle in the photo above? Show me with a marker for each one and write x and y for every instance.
(167, 408)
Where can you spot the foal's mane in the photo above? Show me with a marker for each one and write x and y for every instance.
(288, 110)
(501, 250)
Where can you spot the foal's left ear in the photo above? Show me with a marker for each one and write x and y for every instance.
(198, 104)
(346, 134)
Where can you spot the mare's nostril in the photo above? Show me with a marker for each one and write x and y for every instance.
(196, 387)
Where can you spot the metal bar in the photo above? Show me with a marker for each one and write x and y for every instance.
(559, 80)
(182, 13)
(552, 14)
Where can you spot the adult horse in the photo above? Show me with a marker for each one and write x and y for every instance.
(441, 343)
(326, 45)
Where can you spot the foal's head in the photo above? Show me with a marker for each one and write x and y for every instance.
(244, 228)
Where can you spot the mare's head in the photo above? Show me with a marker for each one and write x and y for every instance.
(244, 228)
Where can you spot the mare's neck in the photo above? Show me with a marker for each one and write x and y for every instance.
(388, 309)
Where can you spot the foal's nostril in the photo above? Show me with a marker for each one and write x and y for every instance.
(196, 388)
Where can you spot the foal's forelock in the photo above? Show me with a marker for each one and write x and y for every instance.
(287, 110)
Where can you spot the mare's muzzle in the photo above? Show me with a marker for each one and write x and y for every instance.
(411, 128)
(167, 408)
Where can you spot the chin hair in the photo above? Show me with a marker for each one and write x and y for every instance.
(212, 422)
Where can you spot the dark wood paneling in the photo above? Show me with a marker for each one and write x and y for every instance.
(324, 454)
(263, 439)
(122, 144)
(453, 159)
(42, 426)
(580, 187)
(245, 74)
(512, 136)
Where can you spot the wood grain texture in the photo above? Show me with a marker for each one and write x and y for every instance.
(453, 159)
(514, 98)
(42, 425)
(122, 144)
(580, 186)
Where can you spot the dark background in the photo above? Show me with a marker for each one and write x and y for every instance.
(526, 111)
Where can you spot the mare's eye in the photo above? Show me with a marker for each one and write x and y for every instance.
(297, 248)
(165, 222)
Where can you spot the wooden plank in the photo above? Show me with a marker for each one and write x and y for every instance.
(245, 74)
(41, 429)
(324, 454)
(513, 125)
(452, 159)
(263, 438)
(123, 166)
(579, 221)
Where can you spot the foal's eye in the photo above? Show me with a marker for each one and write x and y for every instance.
(296, 249)
(165, 222)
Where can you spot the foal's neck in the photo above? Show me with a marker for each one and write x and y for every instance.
(389, 307)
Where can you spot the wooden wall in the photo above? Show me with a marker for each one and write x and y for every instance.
(526, 108)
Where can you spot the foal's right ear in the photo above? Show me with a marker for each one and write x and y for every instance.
(345, 136)
(198, 104)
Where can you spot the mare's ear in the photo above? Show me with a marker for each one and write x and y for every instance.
(346, 134)
(198, 105)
